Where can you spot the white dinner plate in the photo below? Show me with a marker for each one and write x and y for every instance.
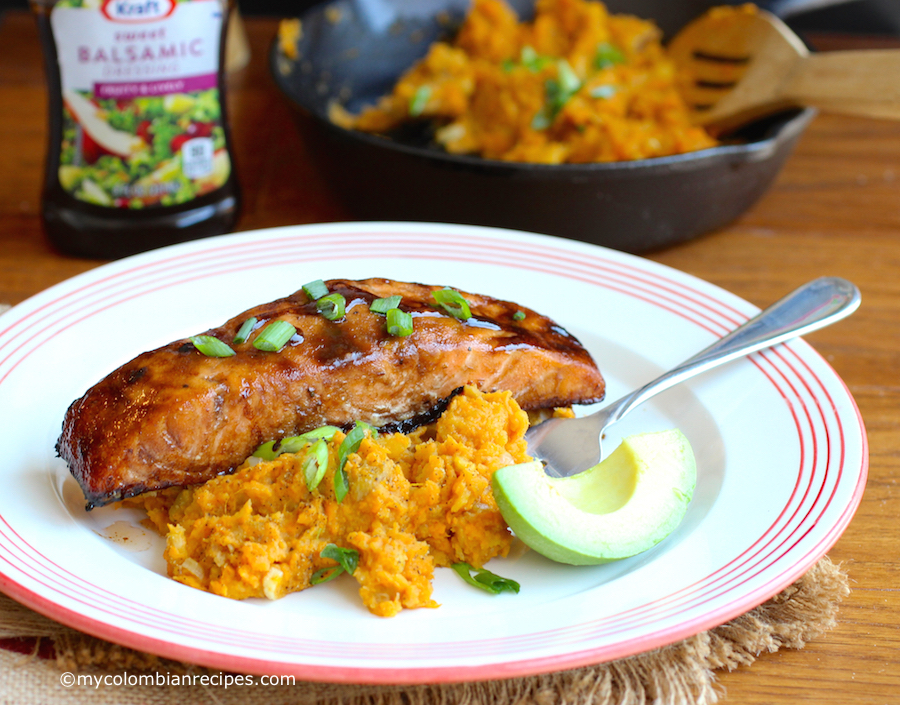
(780, 446)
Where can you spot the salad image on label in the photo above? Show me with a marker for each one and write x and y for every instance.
(137, 152)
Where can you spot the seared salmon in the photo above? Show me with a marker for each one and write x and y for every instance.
(176, 416)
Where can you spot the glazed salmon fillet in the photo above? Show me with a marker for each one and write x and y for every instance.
(177, 417)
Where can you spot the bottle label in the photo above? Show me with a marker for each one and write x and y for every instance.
(142, 119)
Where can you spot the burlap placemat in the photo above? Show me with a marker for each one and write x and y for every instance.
(680, 674)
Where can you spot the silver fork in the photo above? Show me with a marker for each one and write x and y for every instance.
(569, 446)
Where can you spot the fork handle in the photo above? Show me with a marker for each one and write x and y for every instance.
(814, 305)
(862, 83)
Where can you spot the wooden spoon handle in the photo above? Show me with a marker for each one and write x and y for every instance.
(864, 83)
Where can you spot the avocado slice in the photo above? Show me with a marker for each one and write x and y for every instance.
(622, 506)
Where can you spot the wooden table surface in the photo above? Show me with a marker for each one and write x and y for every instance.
(835, 210)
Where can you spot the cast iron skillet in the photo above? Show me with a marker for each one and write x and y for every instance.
(352, 51)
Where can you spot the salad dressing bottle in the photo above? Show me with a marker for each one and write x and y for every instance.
(139, 152)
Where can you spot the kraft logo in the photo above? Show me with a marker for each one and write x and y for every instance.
(137, 10)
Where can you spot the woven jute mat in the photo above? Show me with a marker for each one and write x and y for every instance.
(680, 674)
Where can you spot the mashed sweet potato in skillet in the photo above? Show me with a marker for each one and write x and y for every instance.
(415, 501)
(576, 85)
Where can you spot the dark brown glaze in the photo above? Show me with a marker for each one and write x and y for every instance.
(174, 416)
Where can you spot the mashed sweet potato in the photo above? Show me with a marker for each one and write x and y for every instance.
(576, 84)
(415, 501)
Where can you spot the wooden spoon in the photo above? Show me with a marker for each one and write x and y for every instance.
(742, 63)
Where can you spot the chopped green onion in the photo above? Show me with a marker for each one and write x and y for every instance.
(528, 55)
(541, 120)
(325, 432)
(349, 445)
(267, 450)
(419, 100)
(399, 323)
(519, 316)
(507, 65)
(561, 89)
(244, 331)
(532, 60)
(608, 55)
(352, 440)
(604, 91)
(368, 427)
(211, 347)
(323, 575)
(347, 558)
(557, 91)
(315, 290)
(556, 98)
(568, 79)
(292, 444)
(315, 464)
(274, 336)
(453, 303)
(332, 306)
(485, 579)
(341, 484)
(385, 305)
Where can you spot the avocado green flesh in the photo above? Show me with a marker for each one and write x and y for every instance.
(621, 507)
